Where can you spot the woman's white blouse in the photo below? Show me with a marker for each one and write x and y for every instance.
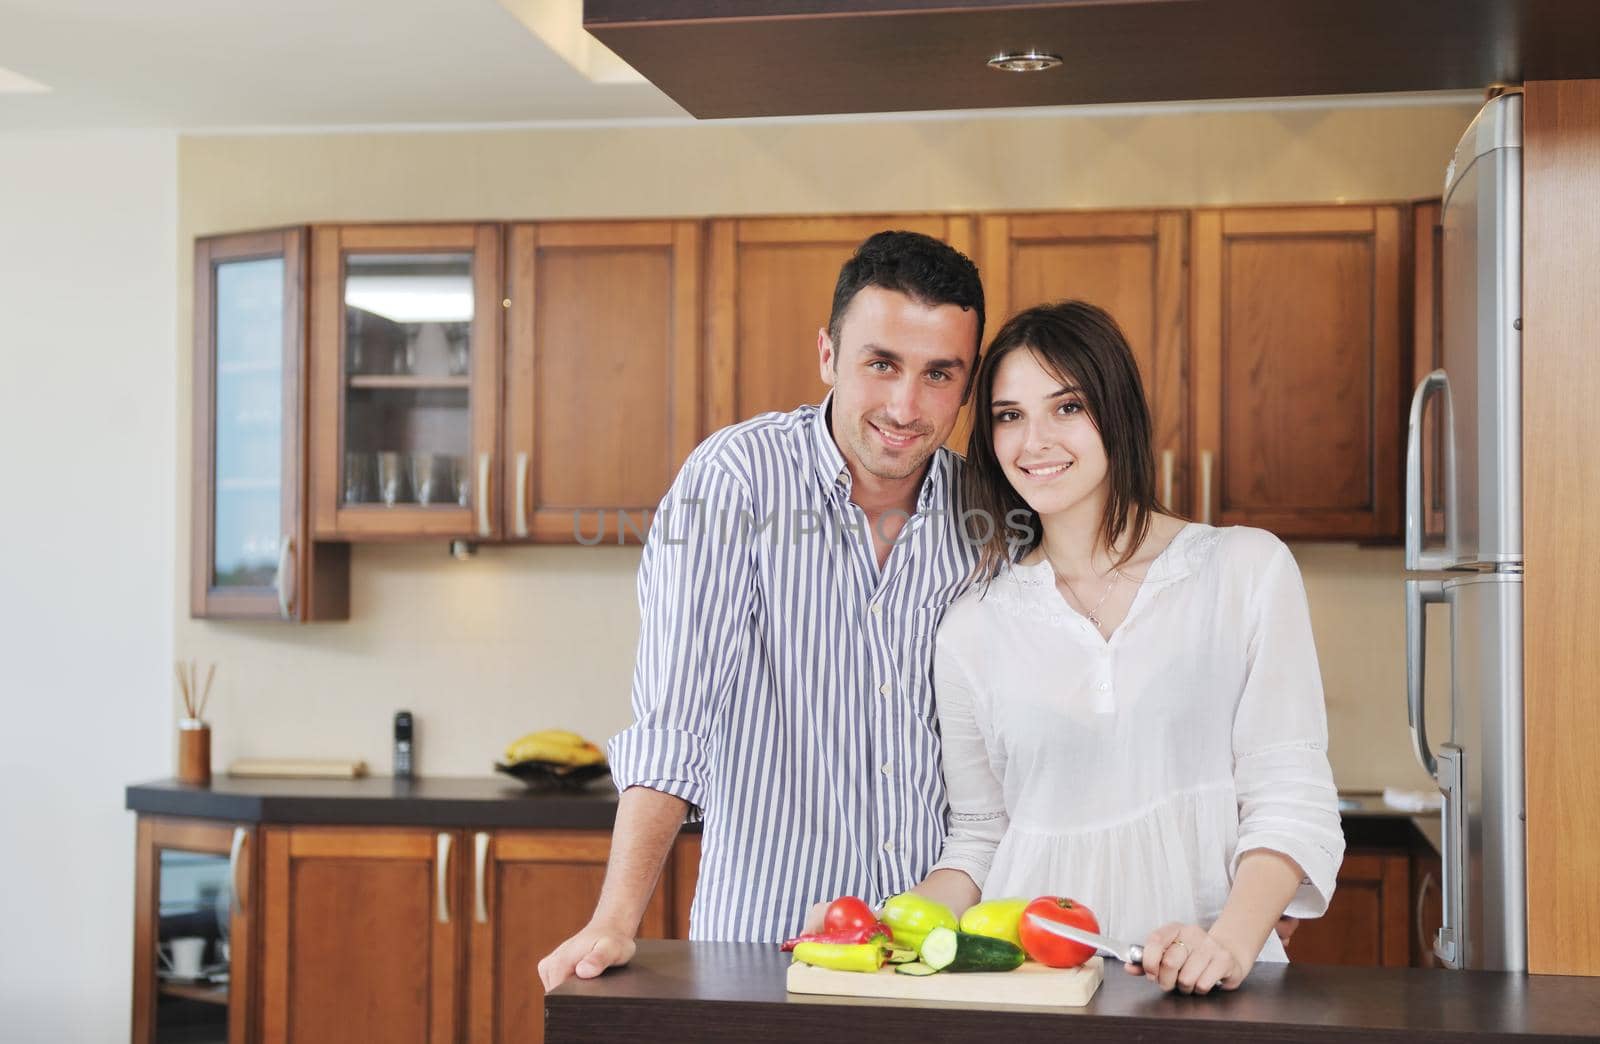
(1132, 774)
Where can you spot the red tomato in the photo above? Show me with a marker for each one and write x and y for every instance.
(848, 913)
(1052, 950)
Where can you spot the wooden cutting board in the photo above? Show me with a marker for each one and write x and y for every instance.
(1030, 984)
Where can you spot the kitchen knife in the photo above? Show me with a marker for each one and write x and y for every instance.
(1127, 953)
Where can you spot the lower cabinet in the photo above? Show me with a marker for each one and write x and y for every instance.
(529, 891)
(362, 933)
(400, 934)
(1369, 921)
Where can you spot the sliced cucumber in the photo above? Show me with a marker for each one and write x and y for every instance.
(915, 968)
(895, 954)
(939, 949)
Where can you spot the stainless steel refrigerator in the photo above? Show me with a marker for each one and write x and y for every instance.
(1476, 397)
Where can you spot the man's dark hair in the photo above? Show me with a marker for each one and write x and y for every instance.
(921, 267)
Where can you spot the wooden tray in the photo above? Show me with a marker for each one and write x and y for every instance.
(1032, 984)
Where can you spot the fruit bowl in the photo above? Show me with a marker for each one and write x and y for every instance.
(552, 775)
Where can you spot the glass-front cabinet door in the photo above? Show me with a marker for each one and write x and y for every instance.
(248, 337)
(405, 350)
(194, 928)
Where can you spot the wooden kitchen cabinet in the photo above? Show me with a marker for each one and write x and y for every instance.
(531, 890)
(1132, 264)
(603, 388)
(769, 288)
(1297, 366)
(1369, 921)
(361, 934)
(406, 357)
(251, 556)
(195, 879)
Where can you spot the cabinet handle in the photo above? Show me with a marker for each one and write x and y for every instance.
(480, 857)
(286, 590)
(442, 878)
(239, 835)
(1166, 479)
(522, 494)
(484, 460)
(1205, 486)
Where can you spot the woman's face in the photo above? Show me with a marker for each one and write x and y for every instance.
(1044, 439)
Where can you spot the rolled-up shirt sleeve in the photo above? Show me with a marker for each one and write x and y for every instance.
(696, 591)
(978, 817)
(1287, 799)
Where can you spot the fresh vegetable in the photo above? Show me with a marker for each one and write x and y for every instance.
(914, 968)
(912, 916)
(851, 957)
(848, 936)
(898, 953)
(947, 950)
(846, 913)
(1052, 950)
(996, 918)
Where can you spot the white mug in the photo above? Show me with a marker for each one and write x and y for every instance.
(181, 957)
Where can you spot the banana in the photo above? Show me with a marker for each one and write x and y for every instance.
(554, 745)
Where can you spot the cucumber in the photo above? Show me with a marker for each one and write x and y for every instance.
(897, 954)
(945, 950)
(914, 968)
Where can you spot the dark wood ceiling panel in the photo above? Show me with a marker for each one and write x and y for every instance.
(720, 58)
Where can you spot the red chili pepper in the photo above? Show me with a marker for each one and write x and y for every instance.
(848, 937)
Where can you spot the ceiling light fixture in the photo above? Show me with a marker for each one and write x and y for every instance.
(1025, 61)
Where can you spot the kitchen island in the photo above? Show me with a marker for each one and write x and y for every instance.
(711, 992)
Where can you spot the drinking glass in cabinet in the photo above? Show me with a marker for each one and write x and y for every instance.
(392, 477)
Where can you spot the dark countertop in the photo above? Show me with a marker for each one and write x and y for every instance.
(711, 992)
(441, 801)
(498, 801)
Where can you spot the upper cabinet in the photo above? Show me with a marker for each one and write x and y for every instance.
(405, 381)
(250, 553)
(1132, 265)
(603, 381)
(769, 289)
(1296, 373)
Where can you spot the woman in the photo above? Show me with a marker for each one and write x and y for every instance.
(1130, 705)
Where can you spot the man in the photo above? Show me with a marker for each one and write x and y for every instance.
(790, 591)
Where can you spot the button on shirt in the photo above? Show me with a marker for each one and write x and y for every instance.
(784, 681)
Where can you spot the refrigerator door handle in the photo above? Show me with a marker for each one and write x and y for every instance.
(1419, 594)
(1417, 558)
(1450, 946)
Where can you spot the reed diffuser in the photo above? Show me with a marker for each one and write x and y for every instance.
(194, 735)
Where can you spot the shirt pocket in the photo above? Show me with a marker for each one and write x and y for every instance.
(916, 662)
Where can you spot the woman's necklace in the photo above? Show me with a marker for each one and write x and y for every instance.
(1093, 615)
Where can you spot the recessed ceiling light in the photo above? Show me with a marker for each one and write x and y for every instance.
(1025, 61)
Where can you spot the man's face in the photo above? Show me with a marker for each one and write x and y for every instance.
(899, 374)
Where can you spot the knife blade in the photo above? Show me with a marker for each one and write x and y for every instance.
(1127, 953)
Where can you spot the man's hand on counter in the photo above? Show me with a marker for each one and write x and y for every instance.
(586, 955)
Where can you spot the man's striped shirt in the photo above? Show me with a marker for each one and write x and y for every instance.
(783, 684)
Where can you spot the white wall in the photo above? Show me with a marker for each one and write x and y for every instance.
(87, 416)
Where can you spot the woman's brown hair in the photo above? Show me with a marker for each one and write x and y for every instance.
(1080, 345)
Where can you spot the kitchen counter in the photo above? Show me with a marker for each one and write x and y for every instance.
(711, 992)
(445, 801)
(497, 801)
